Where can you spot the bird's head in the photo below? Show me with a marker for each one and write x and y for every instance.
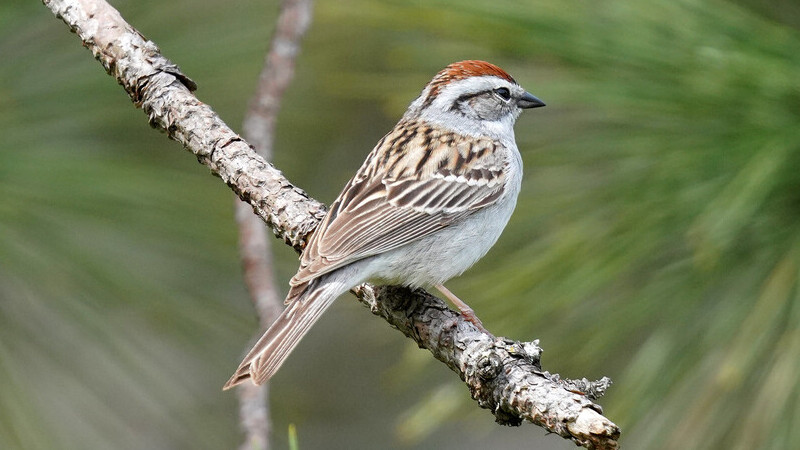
(472, 94)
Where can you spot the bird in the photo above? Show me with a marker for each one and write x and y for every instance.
(431, 199)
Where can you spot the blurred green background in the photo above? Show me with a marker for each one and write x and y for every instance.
(655, 241)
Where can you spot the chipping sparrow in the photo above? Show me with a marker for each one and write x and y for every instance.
(429, 201)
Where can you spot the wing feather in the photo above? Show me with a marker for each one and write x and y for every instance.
(375, 214)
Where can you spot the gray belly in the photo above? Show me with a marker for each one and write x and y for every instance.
(445, 254)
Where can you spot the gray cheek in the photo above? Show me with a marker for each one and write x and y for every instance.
(486, 108)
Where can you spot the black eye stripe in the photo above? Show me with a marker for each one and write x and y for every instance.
(503, 93)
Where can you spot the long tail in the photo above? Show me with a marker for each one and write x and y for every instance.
(282, 337)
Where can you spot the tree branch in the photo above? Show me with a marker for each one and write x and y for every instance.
(503, 376)
(254, 247)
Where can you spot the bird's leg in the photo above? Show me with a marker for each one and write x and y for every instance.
(465, 310)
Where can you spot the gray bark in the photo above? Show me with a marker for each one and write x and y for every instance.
(254, 246)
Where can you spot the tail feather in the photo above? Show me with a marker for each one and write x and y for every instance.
(272, 349)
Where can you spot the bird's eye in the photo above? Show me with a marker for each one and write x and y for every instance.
(503, 93)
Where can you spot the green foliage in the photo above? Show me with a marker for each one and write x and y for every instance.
(655, 241)
(293, 445)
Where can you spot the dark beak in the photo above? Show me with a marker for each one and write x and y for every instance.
(529, 101)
